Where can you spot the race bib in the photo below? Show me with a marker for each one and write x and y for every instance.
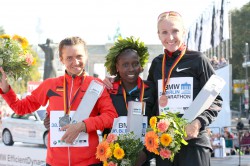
(179, 94)
(55, 134)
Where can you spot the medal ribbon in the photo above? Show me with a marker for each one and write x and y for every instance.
(141, 93)
(165, 83)
(67, 104)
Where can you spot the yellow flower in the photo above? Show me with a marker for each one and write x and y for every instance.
(5, 36)
(22, 40)
(119, 153)
(103, 151)
(152, 122)
(165, 139)
(34, 61)
(105, 163)
(112, 146)
(151, 141)
(117, 145)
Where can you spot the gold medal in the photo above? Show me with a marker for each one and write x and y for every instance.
(163, 101)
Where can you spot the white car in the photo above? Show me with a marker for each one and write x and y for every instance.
(28, 128)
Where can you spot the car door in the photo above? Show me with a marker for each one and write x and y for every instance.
(24, 128)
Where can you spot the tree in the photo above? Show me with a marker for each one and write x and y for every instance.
(240, 36)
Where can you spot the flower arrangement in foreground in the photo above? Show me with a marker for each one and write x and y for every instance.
(165, 135)
(15, 55)
(119, 150)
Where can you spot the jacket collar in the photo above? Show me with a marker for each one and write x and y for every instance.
(176, 53)
(117, 86)
(75, 77)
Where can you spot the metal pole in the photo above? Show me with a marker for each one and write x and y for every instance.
(246, 101)
(239, 135)
(230, 35)
(239, 118)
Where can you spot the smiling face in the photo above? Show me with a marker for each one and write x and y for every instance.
(129, 68)
(74, 58)
(171, 32)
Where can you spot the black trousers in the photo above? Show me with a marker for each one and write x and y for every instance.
(188, 156)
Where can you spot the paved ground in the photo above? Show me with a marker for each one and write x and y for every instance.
(228, 161)
(232, 161)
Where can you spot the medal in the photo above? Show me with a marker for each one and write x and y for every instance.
(65, 120)
(163, 101)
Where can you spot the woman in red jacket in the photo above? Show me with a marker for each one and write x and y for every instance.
(63, 95)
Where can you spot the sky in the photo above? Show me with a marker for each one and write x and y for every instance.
(95, 20)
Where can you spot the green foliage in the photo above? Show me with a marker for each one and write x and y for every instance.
(240, 36)
(167, 126)
(15, 57)
(131, 146)
(20, 86)
(121, 150)
(19, 61)
(122, 44)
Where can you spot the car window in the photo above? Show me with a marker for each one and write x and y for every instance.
(26, 116)
(16, 116)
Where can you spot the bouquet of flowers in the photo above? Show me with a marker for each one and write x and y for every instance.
(165, 135)
(119, 150)
(15, 55)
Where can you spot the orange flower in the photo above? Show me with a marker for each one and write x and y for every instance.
(165, 139)
(103, 151)
(151, 141)
(119, 153)
(152, 122)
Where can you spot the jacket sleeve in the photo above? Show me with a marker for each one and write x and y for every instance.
(210, 114)
(27, 105)
(105, 116)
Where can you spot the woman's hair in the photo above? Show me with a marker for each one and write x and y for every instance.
(124, 52)
(70, 41)
(171, 16)
(122, 46)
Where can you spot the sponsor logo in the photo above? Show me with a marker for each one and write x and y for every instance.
(179, 70)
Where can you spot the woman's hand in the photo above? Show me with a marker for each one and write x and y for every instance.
(108, 82)
(46, 121)
(193, 129)
(4, 85)
(72, 132)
